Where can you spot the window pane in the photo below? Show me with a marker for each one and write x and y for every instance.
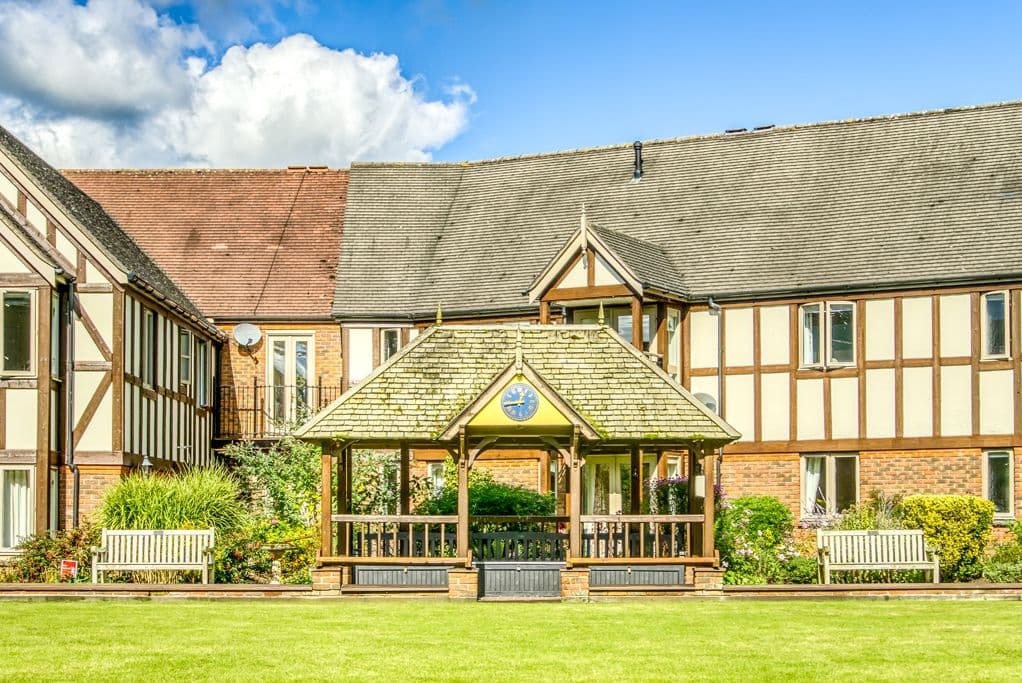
(842, 333)
(16, 513)
(302, 376)
(390, 343)
(185, 356)
(56, 324)
(845, 480)
(624, 326)
(279, 379)
(811, 335)
(999, 481)
(995, 342)
(17, 332)
(814, 482)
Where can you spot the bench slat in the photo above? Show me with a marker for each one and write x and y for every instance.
(875, 549)
(156, 549)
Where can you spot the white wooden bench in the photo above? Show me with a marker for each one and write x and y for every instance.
(881, 549)
(154, 549)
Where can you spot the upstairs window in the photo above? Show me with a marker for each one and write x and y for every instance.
(390, 342)
(148, 355)
(184, 356)
(202, 373)
(16, 342)
(995, 325)
(828, 334)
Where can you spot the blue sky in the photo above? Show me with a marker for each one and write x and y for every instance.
(548, 75)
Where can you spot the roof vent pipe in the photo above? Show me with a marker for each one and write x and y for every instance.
(637, 173)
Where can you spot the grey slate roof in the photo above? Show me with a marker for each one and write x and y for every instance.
(618, 391)
(94, 221)
(927, 198)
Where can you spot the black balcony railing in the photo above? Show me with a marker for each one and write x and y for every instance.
(264, 411)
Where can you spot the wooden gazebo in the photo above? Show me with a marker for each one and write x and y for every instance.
(570, 391)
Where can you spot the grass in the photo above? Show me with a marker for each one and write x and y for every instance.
(399, 640)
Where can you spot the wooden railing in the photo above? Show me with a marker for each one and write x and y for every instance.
(641, 537)
(508, 538)
(398, 536)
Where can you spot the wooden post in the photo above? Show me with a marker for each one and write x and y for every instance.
(340, 464)
(344, 505)
(325, 507)
(404, 502)
(709, 469)
(462, 535)
(637, 323)
(575, 500)
(544, 472)
(544, 312)
(695, 531)
(636, 481)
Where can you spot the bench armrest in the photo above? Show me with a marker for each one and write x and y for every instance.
(98, 550)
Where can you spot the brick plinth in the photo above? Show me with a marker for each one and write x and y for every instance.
(328, 580)
(575, 584)
(462, 584)
(708, 580)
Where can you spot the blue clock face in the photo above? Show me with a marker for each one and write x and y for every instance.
(519, 402)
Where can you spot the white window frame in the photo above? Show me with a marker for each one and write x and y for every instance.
(831, 482)
(203, 376)
(1010, 513)
(435, 475)
(826, 354)
(185, 353)
(31, 501)
(985, 327)
(33, 331)
(383, 342)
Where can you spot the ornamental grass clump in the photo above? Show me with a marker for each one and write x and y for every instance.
(198, 498)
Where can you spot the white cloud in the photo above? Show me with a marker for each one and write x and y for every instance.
(123, 85)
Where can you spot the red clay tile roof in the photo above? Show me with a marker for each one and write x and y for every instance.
(243, 244)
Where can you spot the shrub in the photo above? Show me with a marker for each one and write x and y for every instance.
(880, 511)
(754, 536)
(199, 498)
(959, 526)
(1005, 564)
(669, 496)
(244, 556)
(281, 481)
(801, 570)
(485, 496)
(41, 555)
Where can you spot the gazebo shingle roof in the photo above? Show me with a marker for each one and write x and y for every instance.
(617, 390)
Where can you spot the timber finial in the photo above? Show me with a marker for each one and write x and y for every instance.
(600, 317)
(439, 314)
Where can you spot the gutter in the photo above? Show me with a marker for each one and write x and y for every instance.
(719, 312)
(155, 293)
(69, 398)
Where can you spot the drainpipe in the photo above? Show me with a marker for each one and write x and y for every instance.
(717, 311)
(69, 398)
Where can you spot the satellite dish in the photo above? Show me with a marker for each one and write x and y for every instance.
(247, 334)
(707, 401)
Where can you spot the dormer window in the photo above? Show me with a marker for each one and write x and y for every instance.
(828, 334)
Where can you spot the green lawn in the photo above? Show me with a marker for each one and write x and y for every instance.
(401, 640)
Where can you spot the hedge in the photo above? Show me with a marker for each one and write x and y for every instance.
(959, 526)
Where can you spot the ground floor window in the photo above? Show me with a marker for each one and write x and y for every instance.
(998, 473)
(15, 505)
(435, 475)
(830, 483)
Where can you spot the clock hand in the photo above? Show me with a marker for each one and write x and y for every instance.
(508, 404)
